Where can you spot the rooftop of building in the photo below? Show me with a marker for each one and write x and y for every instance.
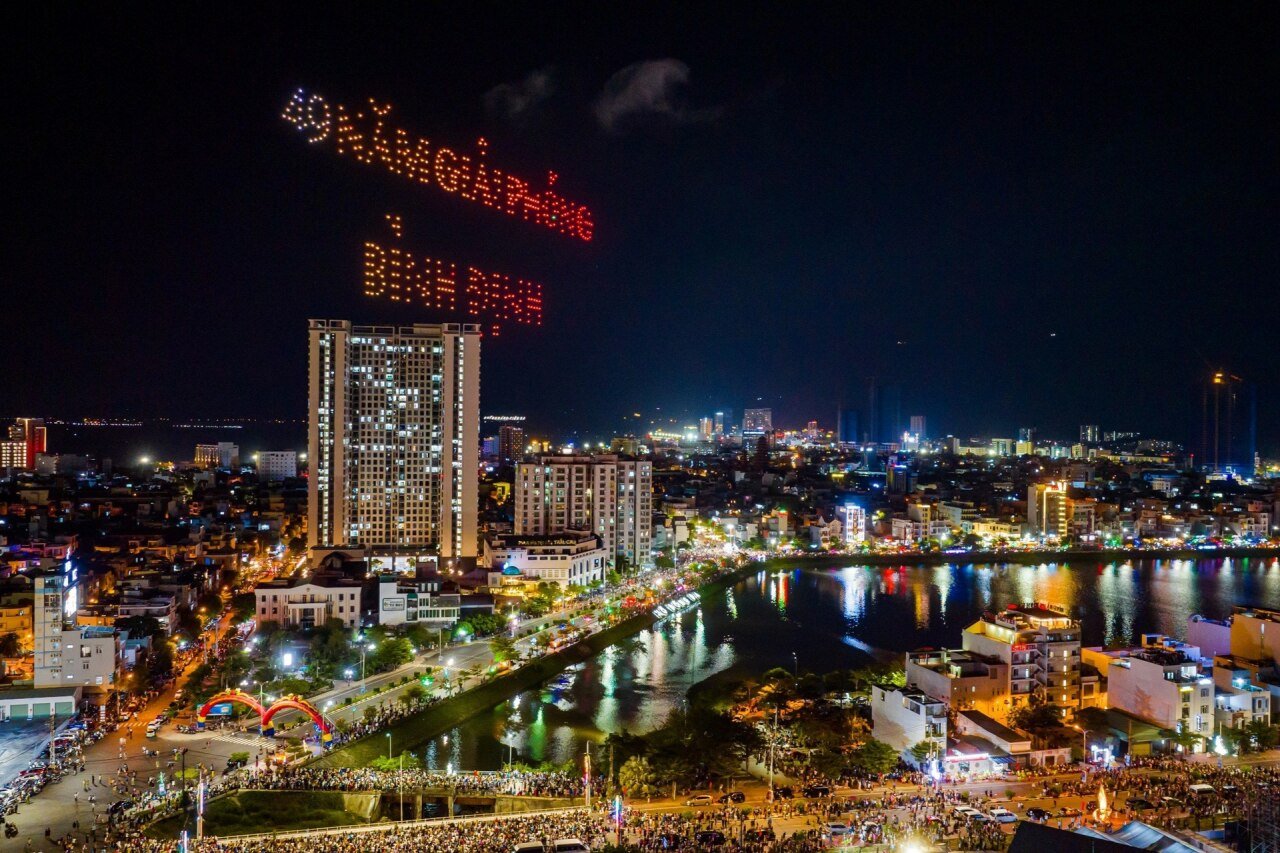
(1256, 612)
(1163, 657)
(324, 580)
(994, 727)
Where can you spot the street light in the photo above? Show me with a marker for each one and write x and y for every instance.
(363, 649)
(388, 746)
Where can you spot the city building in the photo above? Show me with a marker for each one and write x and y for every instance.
(905, 717)
(1040, 645)
(393, 439)
(67, 655)
(847, 427)
(276, 465)
(1089, 433)
(718, 425)
(1228, 425)
(568, 558)
(511, 443)
(855, 524)
(1161, 683)
(406, 601)
(605, 494)
(756, 422)
(1002, 446)
(308, 603)
(963, 680)
(1054, 514)
(27, 439)
(224, 454)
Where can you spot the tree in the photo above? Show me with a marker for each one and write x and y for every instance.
(875, 757)
(209, 605)
(923, 751)
(10, 646)
(1094, 721)
(369, 713)
(412, 695)
(637, 778)
(141, 626)
(502, 647)
(663, 561)
(243, 606)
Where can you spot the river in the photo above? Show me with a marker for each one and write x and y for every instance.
(825, 619)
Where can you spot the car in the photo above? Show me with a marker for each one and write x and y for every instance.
(732, 797)
(1171, 802)
(1038, 814)
(236, 763)
(709, 838)
(760, 836)
(700, 800)
(569, 845)
(1002, 815)
(1068, 811)
(784, 792)
(528, 847)
(119, 806)
(835, 829)
(813, 792)
(964, 811)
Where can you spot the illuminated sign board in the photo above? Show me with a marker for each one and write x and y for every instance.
(393, 604)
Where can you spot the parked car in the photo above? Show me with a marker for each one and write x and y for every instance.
(835, 829)
(733, 797)
(813, 792)
(700, 800)
(784, 792)
(1002, 816)
(709, 838)
(1038, 814)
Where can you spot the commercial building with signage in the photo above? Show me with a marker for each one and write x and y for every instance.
(571, 557)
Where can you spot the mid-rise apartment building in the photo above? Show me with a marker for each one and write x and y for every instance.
(1040, 645)
(393, 438)
(276, 465)
(608, 495)
(963, 680)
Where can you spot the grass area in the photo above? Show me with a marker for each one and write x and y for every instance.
(246, 812)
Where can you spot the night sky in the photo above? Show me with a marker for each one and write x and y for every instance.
(1022, 216)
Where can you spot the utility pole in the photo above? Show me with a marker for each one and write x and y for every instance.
(586, 763)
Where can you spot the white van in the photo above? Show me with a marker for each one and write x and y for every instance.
(569, 845)
(529, 847)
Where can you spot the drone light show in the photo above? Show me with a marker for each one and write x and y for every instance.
(391, 272)
(366, 135)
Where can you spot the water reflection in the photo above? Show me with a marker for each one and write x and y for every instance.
(832, 619)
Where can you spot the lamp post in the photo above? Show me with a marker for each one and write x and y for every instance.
(388, 746)
(363, 648)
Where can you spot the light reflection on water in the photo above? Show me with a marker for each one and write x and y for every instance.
(830, 619)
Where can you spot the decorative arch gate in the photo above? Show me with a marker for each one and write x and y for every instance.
(266, 714)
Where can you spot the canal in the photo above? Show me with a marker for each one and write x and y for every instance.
(824, 619)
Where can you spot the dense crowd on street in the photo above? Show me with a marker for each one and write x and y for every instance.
(515, 782)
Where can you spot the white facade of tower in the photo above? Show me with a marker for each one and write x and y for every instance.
(609, 496)
(394, 421)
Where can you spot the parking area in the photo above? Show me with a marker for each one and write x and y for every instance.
(20, 741)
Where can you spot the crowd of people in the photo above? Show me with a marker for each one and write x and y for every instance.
(530, 783)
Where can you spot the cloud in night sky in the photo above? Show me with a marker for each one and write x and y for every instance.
(647, 88)
(514, 101)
